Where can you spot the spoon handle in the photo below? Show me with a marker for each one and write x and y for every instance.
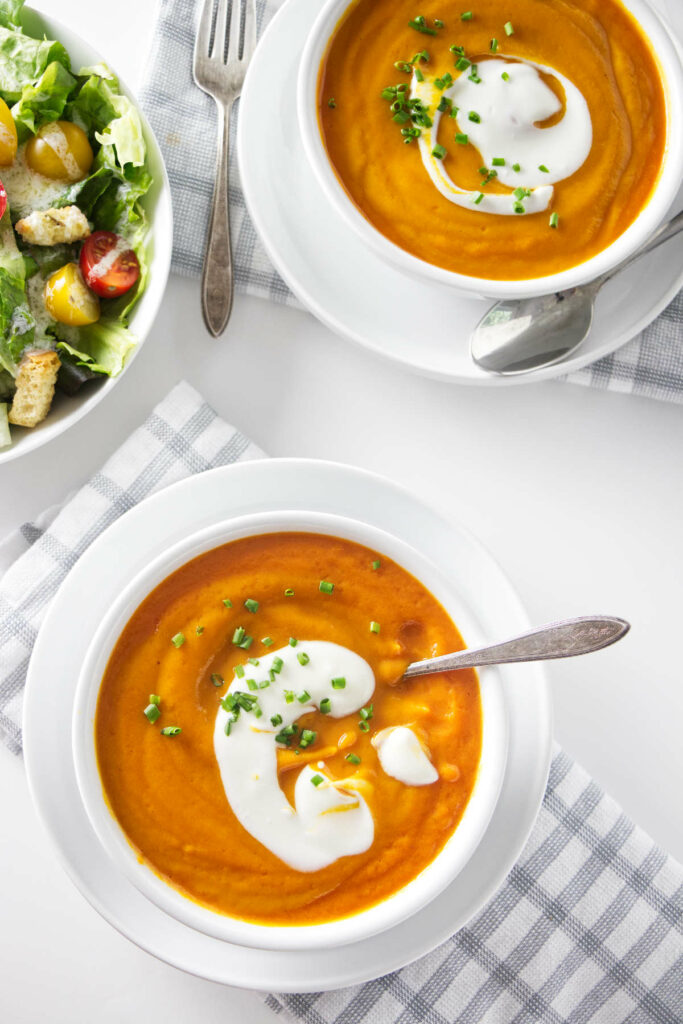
(663, 234)
(563, 639)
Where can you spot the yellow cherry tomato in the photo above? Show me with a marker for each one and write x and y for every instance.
(61, 151)
(8, 136)
(68, 298)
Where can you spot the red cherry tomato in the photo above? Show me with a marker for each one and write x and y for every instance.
(109, 266)
(3, 199)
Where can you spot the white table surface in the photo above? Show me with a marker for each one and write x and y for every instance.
(577, 492)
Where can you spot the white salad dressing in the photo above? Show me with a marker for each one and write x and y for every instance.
(403, 757)
(104, 265)
(509, 111)
(26, 189)
(327, 822)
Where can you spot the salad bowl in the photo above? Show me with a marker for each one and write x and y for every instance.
(66, 410)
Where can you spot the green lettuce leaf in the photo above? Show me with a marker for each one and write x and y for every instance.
(92, 108)
(24, 59)
(43, 102)
(17, 326)
(10, 13)
(102, 347)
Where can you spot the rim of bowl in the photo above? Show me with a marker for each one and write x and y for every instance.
(458, 849)
(159, 244)
(663, 195)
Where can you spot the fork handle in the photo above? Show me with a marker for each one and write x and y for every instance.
(217, 275)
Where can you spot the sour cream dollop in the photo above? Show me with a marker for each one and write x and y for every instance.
(403, 757)
(326, 822)
(510, 110)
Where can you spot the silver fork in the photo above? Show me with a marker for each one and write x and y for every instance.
(225, 43)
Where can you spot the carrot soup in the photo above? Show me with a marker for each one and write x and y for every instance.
(257, 744)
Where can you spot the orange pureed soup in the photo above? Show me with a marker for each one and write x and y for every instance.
(184, 653)
(504, 141)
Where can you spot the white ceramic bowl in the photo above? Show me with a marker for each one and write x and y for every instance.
(67, 410)
(636, 235)
(455, 854)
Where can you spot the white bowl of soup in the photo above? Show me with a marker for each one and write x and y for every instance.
(505, 150)
(247, 751)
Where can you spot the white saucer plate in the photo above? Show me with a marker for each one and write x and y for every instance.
(425, 327)
(130, 544)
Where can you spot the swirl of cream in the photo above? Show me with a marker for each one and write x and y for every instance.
(507, 113)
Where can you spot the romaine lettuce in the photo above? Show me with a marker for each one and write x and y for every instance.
(102, 347)
(44, 101)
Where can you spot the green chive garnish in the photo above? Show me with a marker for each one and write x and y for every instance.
(519, 208)
(308, 736)
(494, 46)
(439, 152)
(257, 711)
(366, 713)
(317, 779)
(332, 102)
(353, 758)
(478, 199)
(238, 635)
(152, 712)
(509, 30)
(303, 658)
(543, 168)
(251, 605)
(228, 726)
(253, 661)
(289, 696)
(462, 139)
(178, 640)
(277, 664)
(266, 682)
(376, 564)
(498, 161)
(289, 592)
(239, 671)
(171, 730)
(251, 683)
(325, 587)
(462, 64)
(438, 23)
(339, 683)
(326, 705)
(216, 679)
(227, 602)
(420, 25)
(516, 167)
(374, 627)
(247, 642)
(154, 698)
(276, 720)
(267, 641)
(554, 220)
(418, 74)
(467, 16)
(364, 726)
(474, 116)
(199, 630)
(304, 697)
(293, 641)
(505, 76)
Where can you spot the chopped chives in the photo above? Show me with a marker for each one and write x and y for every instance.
(364, 726)
(228, 726)
(326, 705)
(254, 661)
(239, 671)
(478, 199)
(171, 730)
(462, 63)
(332, 103)
(325, 587)
(366, 713)
(308, 736)
(257, 711)
(376, 564)
(519, 208)
(374, 627)
(152, 712)
(247, 642)
(217, 679)
(418, 74)
(439, 152)
(454, 112)
(276, 720)
(251, 683)
(403, 65)
(266, 683)
(445, 105)
(304, 697)
(238, 635)
(505, 76)
(293, 641)
(317, 779)
(303, 658)
(498, 161)
(467, 16)
(267, 641)
(420, 25)
(494, 46)
(178, 640)
(353, 758)
(516, 167)
(289, 696)
(227, 602)
(462, 139)
(554, 220)
(289, 592)
(199, 630)
(277, 664)
(339, 683)
(154, 698)
(509, 30)
(542, 167)
(438, 23)
(251, 605)
(474, 116)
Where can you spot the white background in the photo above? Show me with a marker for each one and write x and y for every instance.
(577, 492)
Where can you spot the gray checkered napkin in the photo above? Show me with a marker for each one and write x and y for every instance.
(183, 118)
(589, 924)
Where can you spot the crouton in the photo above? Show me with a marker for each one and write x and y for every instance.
(35, 388)
(51, 227)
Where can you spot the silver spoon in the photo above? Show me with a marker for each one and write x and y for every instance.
(519, 335)
(563, 639)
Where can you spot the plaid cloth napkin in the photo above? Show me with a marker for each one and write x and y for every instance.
(589, 924)
(183, 118)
